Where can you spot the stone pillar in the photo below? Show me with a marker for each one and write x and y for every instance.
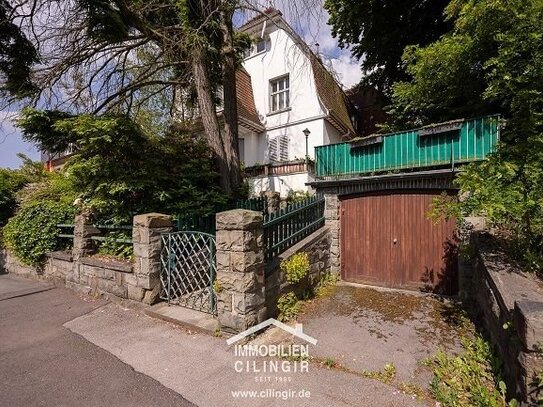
(332, 221)
(83, 233)
(240, 270)
(273, 201)
(144, 283)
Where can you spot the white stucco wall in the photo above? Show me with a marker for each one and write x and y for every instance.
(284, 57)
(282, 184)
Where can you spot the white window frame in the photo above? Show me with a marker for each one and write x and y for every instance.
(275, 95)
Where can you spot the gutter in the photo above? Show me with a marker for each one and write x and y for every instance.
(385, 177)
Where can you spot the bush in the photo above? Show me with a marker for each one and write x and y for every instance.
(296, 267)
(33, 231)
(11, 181)
(470, 379)
(288, 306)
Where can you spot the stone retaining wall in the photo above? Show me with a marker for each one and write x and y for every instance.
(317, 246)
(247, 289)
(79, 271)
(510, 304)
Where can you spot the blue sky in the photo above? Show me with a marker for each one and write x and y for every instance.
(309, 22)
(11, 143)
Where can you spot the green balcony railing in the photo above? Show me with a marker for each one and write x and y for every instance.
(444, 144)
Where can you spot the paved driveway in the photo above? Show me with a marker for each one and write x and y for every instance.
(44, 364)
(362, 330)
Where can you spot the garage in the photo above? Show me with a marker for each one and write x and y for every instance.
(388, 240)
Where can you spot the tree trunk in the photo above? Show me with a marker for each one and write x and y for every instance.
(231, 139)
(208, 114)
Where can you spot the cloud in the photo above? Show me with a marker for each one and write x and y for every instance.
(310, 20)
(348, 70)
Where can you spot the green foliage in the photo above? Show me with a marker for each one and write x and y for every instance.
(296, 267)
(297, 196)
(491, 61)
(17, 56)
(32, 232)
(378, 31)
(470, 379)
(115, 246)
(326, 284)
(11, 181)
(118, 170)
(288, 306)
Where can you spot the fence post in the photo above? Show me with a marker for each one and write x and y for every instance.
(332, 221)
(83, 232)
(144, 284)
(273, 200)
(240, 269)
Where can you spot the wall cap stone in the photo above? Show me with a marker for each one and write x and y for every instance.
(304, 243)
(238, 219)
(153, 220)
(111, 265)
(61, 255)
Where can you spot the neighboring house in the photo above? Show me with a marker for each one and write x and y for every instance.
(285, 88)
(56, 161)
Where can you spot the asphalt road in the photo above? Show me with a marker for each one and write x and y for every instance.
(44, 364)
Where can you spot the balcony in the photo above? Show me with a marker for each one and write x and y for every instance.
(280, 168)
(437, 146)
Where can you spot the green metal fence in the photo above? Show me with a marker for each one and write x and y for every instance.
(284, 228)
(197, 223)
(65, 227)
(206, 223)
(447, 144)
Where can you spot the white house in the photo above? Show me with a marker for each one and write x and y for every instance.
(284, 90)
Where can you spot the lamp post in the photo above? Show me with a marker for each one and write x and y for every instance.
(306, 133)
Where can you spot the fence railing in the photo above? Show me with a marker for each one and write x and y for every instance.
(206, 223)
(254, 204)
(441, 145)
(64, 227)
(197, 223)
(284, 228)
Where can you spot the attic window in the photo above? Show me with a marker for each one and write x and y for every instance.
(259, 47)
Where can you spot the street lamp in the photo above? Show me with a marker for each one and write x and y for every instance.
(306, 133)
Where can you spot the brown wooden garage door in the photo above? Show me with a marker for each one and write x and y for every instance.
(388, 240)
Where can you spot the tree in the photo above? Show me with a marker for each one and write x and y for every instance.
(378, 32)
(492, 61)
(89, 49)
(118, 170)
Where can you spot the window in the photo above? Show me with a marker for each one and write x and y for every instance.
(279, 93)
(278, 148)
(260, 46)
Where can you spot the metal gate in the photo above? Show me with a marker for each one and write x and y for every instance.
(188, 270)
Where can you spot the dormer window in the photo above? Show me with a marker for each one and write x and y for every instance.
(260, 46)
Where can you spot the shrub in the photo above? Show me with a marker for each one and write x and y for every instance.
(111, 246)
(33, 231)
(470, 379)
(11, 181)
(288, 306)
(296, 267)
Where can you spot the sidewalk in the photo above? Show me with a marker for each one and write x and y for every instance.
(44, 364)
(201, 367)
